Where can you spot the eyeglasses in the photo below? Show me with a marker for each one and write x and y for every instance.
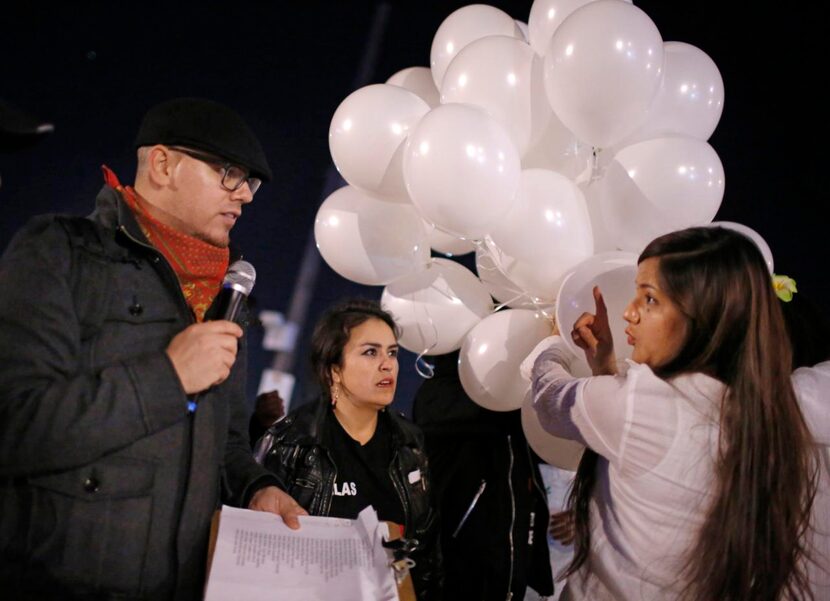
(233, 176)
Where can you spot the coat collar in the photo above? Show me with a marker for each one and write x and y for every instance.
(113, 212)
(304, 426)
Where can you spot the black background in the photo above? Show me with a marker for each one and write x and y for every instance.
(92, 69)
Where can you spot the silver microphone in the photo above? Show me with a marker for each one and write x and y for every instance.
(237, 285)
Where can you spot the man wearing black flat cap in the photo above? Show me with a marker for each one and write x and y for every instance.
(122, 412)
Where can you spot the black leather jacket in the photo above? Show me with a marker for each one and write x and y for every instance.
(307, 471)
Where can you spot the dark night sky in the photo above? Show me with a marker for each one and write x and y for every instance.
(94, 68)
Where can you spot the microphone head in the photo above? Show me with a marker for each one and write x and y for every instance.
(241, 275)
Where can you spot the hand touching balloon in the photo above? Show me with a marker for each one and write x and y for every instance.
(592, 333)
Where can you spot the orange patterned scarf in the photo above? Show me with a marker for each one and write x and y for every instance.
(199, 266)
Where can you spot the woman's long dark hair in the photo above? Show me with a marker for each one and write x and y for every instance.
(752, 544)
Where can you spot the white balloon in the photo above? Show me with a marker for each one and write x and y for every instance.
(545, 17)
(488, 365)
(465, 25)
(690, 99)
(367, 134)
(503, 76)
(614, 273)
(546, 233)
(368, 240)
(461, 169)
(436, 307)
(603, 70)
(447, 244)
(658, 186)
(417, 80)
(561, 452)
(558, 149)
(752, 235)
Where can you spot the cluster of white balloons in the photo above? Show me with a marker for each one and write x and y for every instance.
(554, 150)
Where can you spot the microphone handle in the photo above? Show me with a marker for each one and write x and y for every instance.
(230, 300)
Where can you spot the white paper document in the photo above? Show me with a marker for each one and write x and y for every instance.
(258, 558)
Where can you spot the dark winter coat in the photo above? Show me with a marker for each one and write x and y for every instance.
(107, 483)
(504, 536)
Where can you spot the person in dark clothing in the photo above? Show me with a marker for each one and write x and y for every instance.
(348, 450)
(19, 130)
(488, 491)
(122, 408)
(268, 408)
(809, 330)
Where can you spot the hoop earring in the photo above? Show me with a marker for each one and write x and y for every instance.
(335, 395)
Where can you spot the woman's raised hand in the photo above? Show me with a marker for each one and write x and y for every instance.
(592, 333)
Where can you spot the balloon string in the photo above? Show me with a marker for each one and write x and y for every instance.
(506, 303)
(597, 172)
(424, 369)
(485, 253)
(453, 234)
(520, 294)
(544, 312)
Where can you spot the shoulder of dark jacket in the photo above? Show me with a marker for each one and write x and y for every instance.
(404, 430)
(301, 426)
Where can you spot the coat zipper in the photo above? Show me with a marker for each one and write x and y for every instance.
(400, 490)
(328, 490)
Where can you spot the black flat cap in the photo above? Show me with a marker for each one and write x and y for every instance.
(207, 126)
(18, 129)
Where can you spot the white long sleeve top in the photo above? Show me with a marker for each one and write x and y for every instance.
(657, 440)
(812, 387)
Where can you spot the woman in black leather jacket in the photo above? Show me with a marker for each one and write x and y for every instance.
(347, 450)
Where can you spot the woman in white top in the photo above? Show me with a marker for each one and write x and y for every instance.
(809, 330)
(703, 473)
(812, 386)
